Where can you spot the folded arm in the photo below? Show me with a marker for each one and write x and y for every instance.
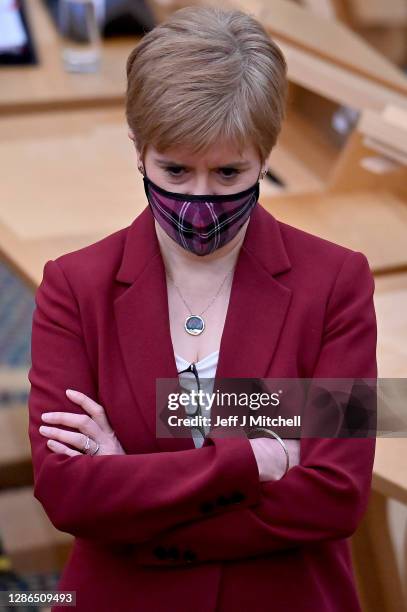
(326, 495)
(116, 498)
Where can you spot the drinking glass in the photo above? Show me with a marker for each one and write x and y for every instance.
(79, 23)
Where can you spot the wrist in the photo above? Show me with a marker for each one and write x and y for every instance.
(271, 453)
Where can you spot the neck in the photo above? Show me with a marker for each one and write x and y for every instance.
(190, 270)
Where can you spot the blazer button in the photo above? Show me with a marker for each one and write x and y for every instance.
(236, 497)
(160, 552)
(173, 553)
(207, 507)
(189, 556)
(222, 500)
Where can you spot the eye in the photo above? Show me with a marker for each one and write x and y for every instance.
(174, 170)
(233, 172)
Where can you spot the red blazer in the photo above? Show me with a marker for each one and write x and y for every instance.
(152, 529)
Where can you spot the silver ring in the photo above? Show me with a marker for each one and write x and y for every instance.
(269, 431)
(86, 447)
(97, 448)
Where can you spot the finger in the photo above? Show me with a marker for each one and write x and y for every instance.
(57, 447)
(78, 440)
(83, 422)
(95, 410)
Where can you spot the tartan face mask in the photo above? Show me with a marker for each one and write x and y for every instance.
(201, 223)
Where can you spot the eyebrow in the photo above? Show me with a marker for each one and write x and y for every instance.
(238, 164)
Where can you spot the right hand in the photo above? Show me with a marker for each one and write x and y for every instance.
(271, 458)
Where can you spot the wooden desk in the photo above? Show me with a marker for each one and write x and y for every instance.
(80, 183)
(355, 220)
(46, 86)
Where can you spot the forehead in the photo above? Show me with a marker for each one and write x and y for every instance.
(222, 153)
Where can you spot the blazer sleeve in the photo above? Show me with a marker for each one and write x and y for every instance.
(118, 498)
(326, 495)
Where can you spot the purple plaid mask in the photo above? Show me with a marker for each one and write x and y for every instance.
(201, 223)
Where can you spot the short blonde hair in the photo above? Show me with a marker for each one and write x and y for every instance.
(206, 75)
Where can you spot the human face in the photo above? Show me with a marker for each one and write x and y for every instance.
(221, 170)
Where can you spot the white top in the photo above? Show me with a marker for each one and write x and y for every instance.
(206, 371)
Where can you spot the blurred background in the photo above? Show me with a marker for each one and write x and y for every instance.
(69, 178)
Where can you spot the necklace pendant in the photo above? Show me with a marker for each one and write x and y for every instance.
(194, 325)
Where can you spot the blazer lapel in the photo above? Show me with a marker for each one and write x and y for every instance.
(257, 309)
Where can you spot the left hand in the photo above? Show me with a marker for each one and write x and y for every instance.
(94, 424)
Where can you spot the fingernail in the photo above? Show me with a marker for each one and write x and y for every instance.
(70, 392)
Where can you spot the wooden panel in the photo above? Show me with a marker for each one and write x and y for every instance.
(373, 551)
(390, 127)
(329, 39)
(374, 561)
(336, 82)
(378, 12)
(355, 220)
(390, 41)
(27, 257)
(303, 155)
(323, 8)
(361, 166)
(389, 474)
(391, 312)
(15, 450)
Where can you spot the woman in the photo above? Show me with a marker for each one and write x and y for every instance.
(216, 282)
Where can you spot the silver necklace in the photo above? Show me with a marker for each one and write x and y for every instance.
(194, 324)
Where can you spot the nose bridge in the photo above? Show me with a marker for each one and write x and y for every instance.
(201, 182)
